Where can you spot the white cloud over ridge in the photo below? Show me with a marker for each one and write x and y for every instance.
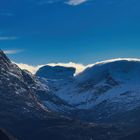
(30, 68)
(79, 67)
(33, 69)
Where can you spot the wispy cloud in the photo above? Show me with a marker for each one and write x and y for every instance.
(3, 38)
(68, 2)
(75, 2)
(6, 12)
(30, 68)
(12, 51)
(46, 2)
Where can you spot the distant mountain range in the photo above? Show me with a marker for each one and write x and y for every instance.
(101, 103)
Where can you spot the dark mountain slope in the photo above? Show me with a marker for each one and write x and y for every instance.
(5, 136)
(133, 136)
(23, 115)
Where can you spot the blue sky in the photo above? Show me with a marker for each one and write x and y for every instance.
(82, 31)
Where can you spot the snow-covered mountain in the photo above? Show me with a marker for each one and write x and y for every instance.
(107, 92)
(23, 84)
(24, 115)
(104, 90)
(103, 81)
(114, 81)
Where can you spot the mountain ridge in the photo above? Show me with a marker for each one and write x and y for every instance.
(103, 91)
(23, 114)
(101, 109)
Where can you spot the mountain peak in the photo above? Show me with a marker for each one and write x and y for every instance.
(4, 60)
(56, 72)
(122, 68)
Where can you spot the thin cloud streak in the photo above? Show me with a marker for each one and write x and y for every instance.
(46, 2)
(33, 69)
(12, 51)
(75, 2)
(68, 2)
(7, 14)
(5, 38)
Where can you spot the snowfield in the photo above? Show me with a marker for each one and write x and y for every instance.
(112, 83)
